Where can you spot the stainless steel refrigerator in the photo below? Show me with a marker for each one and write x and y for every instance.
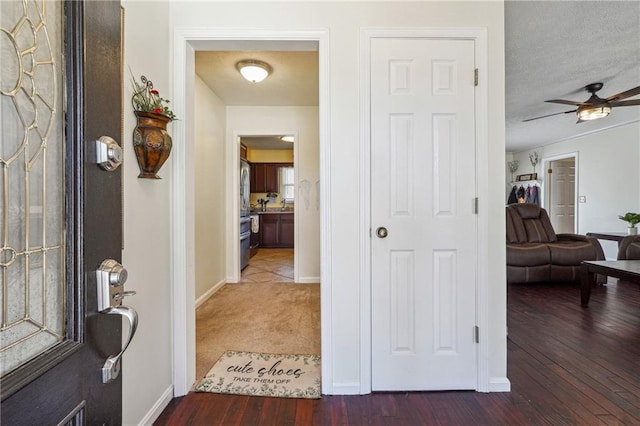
(245, 209)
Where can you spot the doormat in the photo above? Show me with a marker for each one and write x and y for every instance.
(259, 374)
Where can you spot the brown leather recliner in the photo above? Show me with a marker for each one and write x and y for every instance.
(535, 253)
(629, 248)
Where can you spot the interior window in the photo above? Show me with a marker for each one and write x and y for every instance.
(286, 184)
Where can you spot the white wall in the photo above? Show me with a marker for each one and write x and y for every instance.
(210, 190)
(344, 21)
(304, 122)
(147, 362)
(149, 30)
(608, 175)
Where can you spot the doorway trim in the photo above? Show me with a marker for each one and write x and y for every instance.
(182, 201)
(545, 183)
(479, 35)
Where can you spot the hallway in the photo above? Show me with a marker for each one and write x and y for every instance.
(265, 312)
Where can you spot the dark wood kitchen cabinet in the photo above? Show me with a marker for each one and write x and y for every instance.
(285, 230)
(276, 230)
(264, 176)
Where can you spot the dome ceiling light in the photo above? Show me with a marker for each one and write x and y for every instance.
(253, 70)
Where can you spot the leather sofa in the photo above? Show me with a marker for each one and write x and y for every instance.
(535, 253)
(629, 248)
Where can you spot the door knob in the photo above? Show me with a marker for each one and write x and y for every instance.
(382, 232)
(108, 153)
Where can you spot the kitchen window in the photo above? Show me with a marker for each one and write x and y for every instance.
(287, 184)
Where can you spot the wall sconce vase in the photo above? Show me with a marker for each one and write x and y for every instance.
(151, 143)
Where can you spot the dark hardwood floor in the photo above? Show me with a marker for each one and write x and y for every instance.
(567, 366)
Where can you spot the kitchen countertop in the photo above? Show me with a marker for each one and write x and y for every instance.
(276, 211)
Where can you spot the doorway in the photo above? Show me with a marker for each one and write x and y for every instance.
(559, 192)
(183, 178)
(271, 210)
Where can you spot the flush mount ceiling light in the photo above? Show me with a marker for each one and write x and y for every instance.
(253, 70)
(287, 139)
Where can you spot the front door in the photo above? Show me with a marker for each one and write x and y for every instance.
(60, 212)
(424, 237)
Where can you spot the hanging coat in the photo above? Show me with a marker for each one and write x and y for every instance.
(512, 196)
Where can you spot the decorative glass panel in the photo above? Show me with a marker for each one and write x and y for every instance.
(32, 264)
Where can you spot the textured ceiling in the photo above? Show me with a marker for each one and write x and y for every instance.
(553, 49)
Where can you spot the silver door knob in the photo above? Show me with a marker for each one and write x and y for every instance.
(382, 232)
(108, 153)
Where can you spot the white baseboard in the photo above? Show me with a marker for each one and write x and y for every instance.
(499, 384)
(308, 280)
(200, 300)
(346, 388)
(157, 409)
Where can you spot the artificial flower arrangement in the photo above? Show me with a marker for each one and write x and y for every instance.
(146, 98)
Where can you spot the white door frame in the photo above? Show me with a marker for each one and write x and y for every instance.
(479, 35)
(544, 201)
(183, 199)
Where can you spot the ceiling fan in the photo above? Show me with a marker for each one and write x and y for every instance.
(595, 107)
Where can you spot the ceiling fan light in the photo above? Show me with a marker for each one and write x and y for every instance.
(253, 70)
(593, 113)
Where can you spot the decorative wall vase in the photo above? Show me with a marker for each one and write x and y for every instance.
(151, 143)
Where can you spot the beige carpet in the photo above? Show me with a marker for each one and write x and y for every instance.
(277, 318)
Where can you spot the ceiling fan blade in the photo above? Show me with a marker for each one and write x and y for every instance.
(548, 115)
(626, 103)
(623, 95)
(562, 101)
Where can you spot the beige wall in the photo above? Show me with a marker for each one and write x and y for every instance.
(146, 366)
(210, 190)
(270, 155)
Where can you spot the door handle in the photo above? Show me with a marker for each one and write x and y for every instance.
(382, 232)
(111, 368)
(111, 277)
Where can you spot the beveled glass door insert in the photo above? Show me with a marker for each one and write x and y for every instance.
(32, 187)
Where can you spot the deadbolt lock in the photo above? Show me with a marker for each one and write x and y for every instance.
(111, 277)
(108, 153)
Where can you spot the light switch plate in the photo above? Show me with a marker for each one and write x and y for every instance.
(582, 199)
